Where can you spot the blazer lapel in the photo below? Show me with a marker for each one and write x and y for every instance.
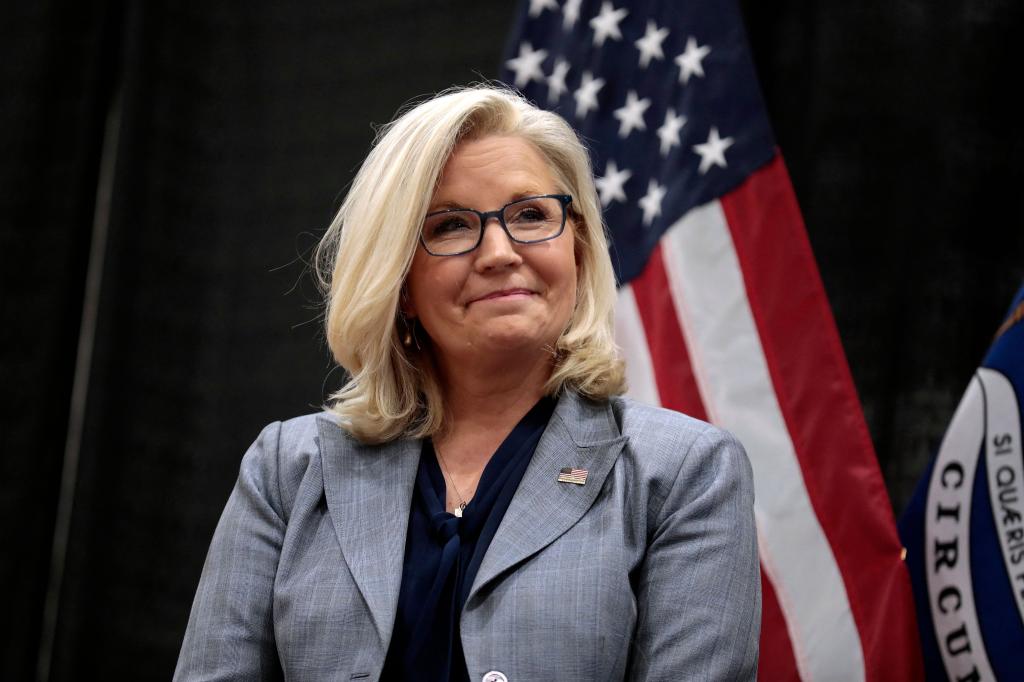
(369, 494)
(582, 435)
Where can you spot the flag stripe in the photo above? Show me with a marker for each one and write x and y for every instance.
(629, 335)
(670, 358)
(819, 404)
(732, 372)
(776, 661)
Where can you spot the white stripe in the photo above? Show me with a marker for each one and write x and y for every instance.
(948, 570)
(727, 358)
(1005, 468)
(629, 334)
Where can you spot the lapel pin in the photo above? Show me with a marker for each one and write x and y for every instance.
(570, 475)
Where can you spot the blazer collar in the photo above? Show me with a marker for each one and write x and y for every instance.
(581, 434)
(369, 488)
(369, 493)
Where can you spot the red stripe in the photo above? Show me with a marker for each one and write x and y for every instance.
(823, 416)
(776, 662)
(673, 374)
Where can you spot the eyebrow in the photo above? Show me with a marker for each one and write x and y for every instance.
(445, 206)
(453, 205)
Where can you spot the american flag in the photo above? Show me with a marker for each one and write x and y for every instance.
(571, 475)
(722, 313)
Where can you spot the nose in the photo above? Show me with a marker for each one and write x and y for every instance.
(496, 249)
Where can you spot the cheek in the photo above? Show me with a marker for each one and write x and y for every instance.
(432, 283)
(572, 296)
(566, 275)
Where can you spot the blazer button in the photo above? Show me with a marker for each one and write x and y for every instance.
(494, 676)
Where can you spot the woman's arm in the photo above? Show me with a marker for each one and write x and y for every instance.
(699, 589)
(230, 633)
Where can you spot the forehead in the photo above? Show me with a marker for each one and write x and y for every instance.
(495, 166)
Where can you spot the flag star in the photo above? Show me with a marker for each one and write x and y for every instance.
(631, 114)
(668, 133)
(556, 81)
(712, 152)
(570, 13)
(690, 60)
(606, 24)
(650, 44)
(651, 202)
(586, 95)
(610, 186)
(538, 6)
(527, 65)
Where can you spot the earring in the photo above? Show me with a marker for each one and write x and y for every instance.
(409, 338)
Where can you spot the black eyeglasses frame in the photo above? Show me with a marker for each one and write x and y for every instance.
(564, 199)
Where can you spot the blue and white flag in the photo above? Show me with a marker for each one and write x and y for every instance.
(964, 528)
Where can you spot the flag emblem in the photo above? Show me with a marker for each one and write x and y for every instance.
(964, 527)
(570, 475)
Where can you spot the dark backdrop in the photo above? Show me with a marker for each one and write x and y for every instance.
(229, 134)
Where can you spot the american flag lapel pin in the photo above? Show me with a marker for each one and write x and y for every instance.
(570, 475)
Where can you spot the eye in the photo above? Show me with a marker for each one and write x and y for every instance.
(451, 225)
(532, 211)
(447, 225)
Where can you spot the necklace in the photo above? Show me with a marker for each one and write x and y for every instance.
(461, 506)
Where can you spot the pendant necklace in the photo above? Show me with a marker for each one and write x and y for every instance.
(461, 506)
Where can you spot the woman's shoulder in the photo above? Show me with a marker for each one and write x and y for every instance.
(664, 443)
(291, 440)
(303, 433)
(633, 414)
(660, 427)
(285, 452)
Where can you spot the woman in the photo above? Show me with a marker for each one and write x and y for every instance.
(479, 503)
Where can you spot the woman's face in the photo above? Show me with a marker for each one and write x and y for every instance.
(503, 298)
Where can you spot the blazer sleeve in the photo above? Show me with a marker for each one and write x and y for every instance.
(230, 634)
(698, 588)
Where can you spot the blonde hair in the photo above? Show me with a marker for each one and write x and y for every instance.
(364, 258)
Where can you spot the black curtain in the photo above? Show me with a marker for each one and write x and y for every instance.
(56, 79)
(895, 122)
(232, 131)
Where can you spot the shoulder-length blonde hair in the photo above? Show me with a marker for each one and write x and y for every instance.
(365, 256)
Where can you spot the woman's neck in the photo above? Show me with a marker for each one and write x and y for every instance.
(483, 403)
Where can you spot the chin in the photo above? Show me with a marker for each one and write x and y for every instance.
(517, 340)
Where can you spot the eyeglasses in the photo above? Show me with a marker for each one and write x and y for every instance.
(530, 220)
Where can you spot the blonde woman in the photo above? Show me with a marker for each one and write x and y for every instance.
(479, 502)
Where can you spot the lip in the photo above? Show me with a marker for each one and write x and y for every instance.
(503, 294)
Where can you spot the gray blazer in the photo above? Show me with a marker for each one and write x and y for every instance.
(647, 571)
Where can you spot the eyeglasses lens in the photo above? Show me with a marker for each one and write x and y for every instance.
(529, 220)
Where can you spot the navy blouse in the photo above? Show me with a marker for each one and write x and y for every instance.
(443, 553)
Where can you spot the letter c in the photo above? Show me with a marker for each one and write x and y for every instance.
(950, 591)
(952, 467)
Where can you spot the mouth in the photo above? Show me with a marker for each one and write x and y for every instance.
(504, 294)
